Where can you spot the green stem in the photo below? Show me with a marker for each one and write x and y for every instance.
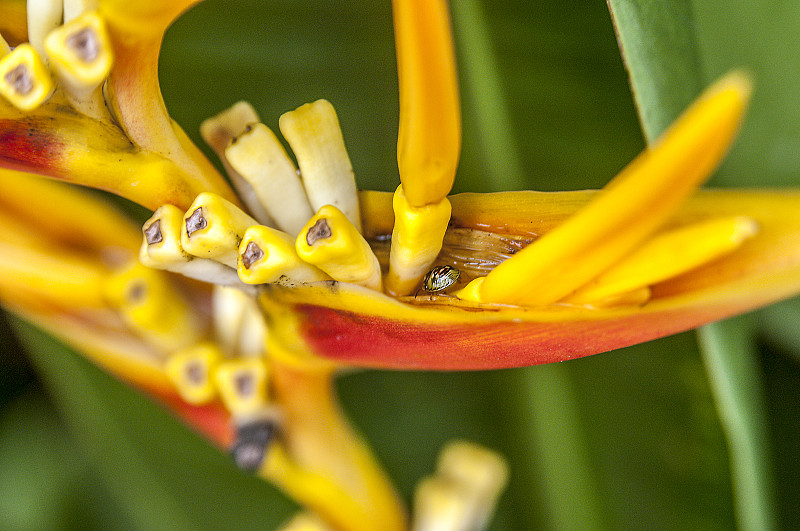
(547, 392)
(730, 356)
(552, 425)
(481, 75)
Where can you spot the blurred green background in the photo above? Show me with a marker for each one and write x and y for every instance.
(626, 440)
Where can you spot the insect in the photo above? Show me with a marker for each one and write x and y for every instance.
(440, 278)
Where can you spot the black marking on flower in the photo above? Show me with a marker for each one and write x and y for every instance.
(320, 231)
(20, 78)
(252, 254)
(196, 222)
(84, 44)
(252, 441)
(153, 234)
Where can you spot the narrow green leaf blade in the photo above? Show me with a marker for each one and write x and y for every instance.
(729, 352)
(660, 51)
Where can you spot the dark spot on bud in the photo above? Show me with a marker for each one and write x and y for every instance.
(20, 78)
(152, 233)
(195, 373)
(252, 441)
(137, 291)
(320, 231)
(245, 384)
(196, 222)
(84, 44)
(251, 255)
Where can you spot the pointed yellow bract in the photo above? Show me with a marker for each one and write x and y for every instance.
(630, 208)
(668, 255)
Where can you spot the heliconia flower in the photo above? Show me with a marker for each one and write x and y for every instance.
(237, 304)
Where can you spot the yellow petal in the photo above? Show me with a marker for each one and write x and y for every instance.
(80, 54)
(217, 132)
(668, 255)
(429, 138)
(213, 228)
(416, 241)
(43, 17)
(153, 307)
(80, 51)
(258, 156)
(192, 370)
(266, 255)
(330, 242)
(313, 132)
(243, 386)
(161, 249)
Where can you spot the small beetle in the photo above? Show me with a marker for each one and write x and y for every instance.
(440, 278)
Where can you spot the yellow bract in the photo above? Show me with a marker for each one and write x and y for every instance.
(668, 255)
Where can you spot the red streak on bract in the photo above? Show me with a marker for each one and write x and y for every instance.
(212, 421)
(30, 145)
(370, 341)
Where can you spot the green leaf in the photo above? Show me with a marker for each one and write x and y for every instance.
(659, 47)
(762, 38)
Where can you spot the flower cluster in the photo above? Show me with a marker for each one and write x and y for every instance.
(241, 299)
